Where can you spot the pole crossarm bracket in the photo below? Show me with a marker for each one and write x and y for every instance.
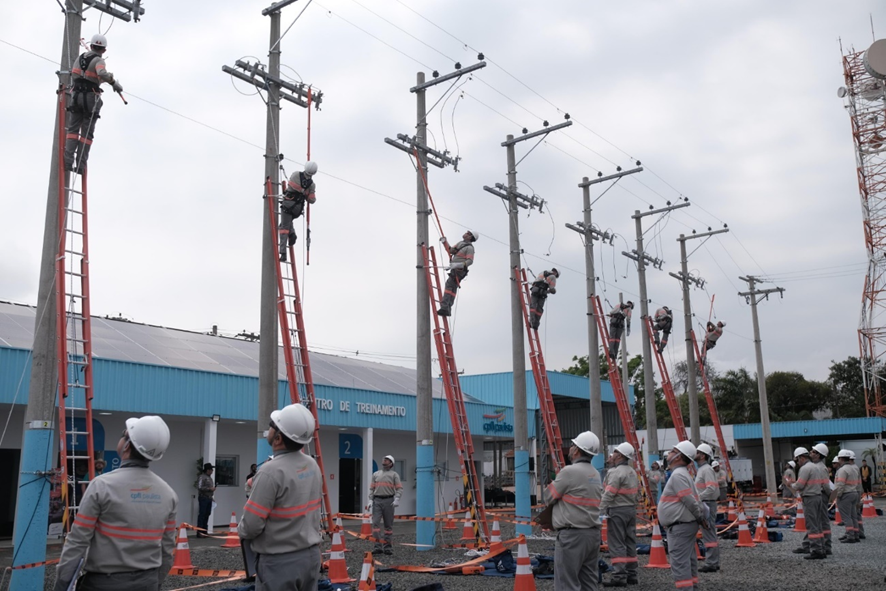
(618, 175)
(459, 72)
(440, 159)
(661, 210)
(697, 281)
(753, 292)
(591, 232)
(277, 7)
(256, 75)
(635, 256)
(133, 9)
(407, 150)
(683, 238)
(529, 136)
(524, 201)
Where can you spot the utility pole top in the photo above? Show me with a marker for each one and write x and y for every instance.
(522, 200)
(107, 7)
(255, 74)
(617, 175)
(635, 256)
(683, 237)
(440, 159)
(638, 214)
(753, 291)
(591, 232)
(697, 281)
(458, 73)
(277, 7)
(528, 136)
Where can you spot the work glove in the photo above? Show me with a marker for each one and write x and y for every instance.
(117, 86)
(396, 502)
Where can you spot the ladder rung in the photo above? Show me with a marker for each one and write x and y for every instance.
(72, 190)
(75, 274)
(72, 457)
(77, 252)
(72, 231)
(72, 210)
(76, 340)
(75, 409)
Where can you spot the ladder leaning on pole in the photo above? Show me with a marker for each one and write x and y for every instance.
(552, 434)
(295, 355)
(73, 333)
(624, 410)
(461, 431)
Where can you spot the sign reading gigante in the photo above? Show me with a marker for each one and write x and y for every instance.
(497, 423)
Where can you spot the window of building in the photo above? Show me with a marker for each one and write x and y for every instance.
(400, 468)
(226, 470)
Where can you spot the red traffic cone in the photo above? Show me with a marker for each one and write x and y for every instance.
(467, 531)
(604, 534)
(800, 522)
(657, 556)
(731, 515)
(770, 509)
(233, 539)
(338, 568)
(524, 580)
(868, 509)
(761, 536)
(366, 525)
(367, 575)
(698, 555)
(744, 534)
(182, 557)
(838, 520)
(341, 528)
(495, 536)
(450, 523)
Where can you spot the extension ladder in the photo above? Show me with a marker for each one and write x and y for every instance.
(624, 410)
(667, 386)
(715, 416)
(73, 333)
(296, 356)
(545, 400)
(461, 431)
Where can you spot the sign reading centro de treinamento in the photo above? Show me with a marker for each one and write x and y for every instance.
(389, 410)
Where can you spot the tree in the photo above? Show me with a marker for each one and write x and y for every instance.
(847, 389)
(794, 398)
(736, 393)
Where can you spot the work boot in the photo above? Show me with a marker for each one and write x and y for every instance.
(615, 583)
(815, 556)
(862, 537)
(444, 311)
(829, 553)
(843, 538)
(389, 550)
(801, 550)
(292, 238)
(533, 326)
(708, 569)
(849, 541)
(633, 581)
(378, 550)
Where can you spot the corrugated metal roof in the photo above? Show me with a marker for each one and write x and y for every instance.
(145, 344)
(814, 428)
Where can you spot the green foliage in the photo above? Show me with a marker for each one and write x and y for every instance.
(847, 389)
(736, 396)
(794, 398)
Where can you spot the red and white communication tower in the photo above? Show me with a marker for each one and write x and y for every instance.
(865, 93)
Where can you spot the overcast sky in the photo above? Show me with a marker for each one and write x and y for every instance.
(733, 106)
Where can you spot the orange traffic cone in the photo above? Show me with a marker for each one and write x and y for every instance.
(770, 510)
(233, 539)
(366, 525)
(604, 535)
(525, 580)
(800, 522)
(467, 531)
(182, 557)
(367, 575)
(744, 534)
(495, 536)
(450, 523)
(657, 556)
(868, 509)
(730, 515)
(338, 568)
(838, 520)
(761, 536)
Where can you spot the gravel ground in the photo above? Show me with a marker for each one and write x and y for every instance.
(856, 567)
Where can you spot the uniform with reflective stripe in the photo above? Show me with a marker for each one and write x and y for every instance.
(709, 493)
(575, 494)
(620, 503)
(679, 501)
(126, 523)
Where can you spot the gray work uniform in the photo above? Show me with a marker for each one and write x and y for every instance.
(663, 322)
(545, 282)
(125, 530)
(575, 494)
(619, 319)
(84, 106)
(282, 518)
(825, 474)
(656, 480)
(722, 482)
(299, 189)
(620, 503)
(679, 512)
(708, 489)
(384, 487)
(462, 258)
(860, 505)
(846, 490)
(809, 484)
(787, 479)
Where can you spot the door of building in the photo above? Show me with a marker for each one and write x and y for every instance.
(9, 465)
(349, 485)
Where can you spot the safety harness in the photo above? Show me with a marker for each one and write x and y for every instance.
(83, 85)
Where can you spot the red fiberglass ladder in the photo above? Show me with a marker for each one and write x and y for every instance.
(542, 386)
(296, 357)
(461, 431)
(624, 410)
(715, 416)
(73, 333)
(670, 397)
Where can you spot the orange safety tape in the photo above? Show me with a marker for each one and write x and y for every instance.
(455, 568)
(199, 572)
(209, 584)
(32, 565)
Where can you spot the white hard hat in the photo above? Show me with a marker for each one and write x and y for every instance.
(625, 449)
(715, 464)
(390, 458)
(587, 442)
(475, 234)
(310, 168)
(844, 453)
(792, 464)
(99, 40)
(851, 454)
(295, 422)
(705, 449)
(801, 451)
(821, 449)
(148, 435)
(686, 448)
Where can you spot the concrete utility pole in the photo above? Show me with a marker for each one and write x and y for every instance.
(32, 498)
(691, 368)
(589, 234)
(424, 428)
(751, 296)
(268, 376)
(521, 425)
(641, 258)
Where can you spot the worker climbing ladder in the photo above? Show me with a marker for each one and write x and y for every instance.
(461, 431)
(73, 332)
(551, 431)
(715, 416)
(624, 410)
(667, 386)
(295, 355)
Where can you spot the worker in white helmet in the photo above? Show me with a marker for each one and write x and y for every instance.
(708, 489)
(789, 477)
(385, 489)
(809, 485)
(282, 515)
(818, 454)
(722, 482)
(619, 321)
(680, 513)
(860, 490)
(662, 323)
(124, 532)
(713, 332)
(619, 503)
(545, 283)
(574, 497)
(299, 190)
(462, 258)
(85, 104)
(845, 493)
